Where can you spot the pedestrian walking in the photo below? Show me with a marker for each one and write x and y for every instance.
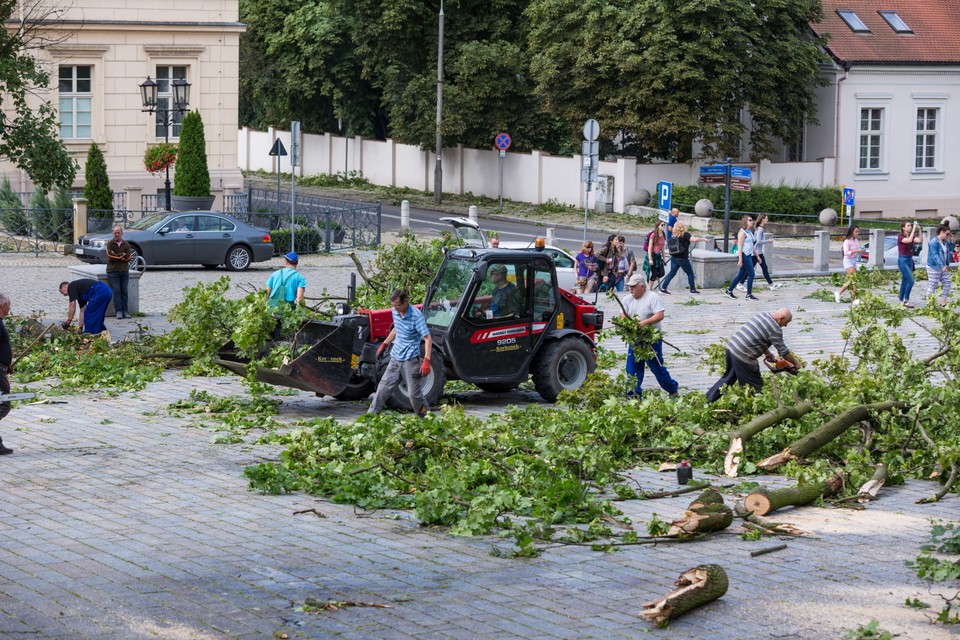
(680, 259)
(760, 258)
(118, 271)
(908, 238)
(6, 365)
(747, 242)
(751, 341)
(286, 285)
(672, 221)
(409, 328)
(587, 267)
(938, 271)
(851, 249)
(648, 308)
(93, 298)
(653, 263)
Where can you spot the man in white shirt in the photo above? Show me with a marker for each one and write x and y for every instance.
(648, 308)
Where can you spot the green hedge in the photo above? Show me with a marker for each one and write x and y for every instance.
(806, 201)
(308, 240)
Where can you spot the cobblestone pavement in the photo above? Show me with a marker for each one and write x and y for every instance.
(122, 521)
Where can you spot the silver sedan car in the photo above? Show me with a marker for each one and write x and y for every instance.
(195, 237)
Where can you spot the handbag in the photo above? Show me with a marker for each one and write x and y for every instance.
(673, 246)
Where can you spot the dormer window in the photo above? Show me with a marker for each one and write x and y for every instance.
(895, 21)
(853, 21)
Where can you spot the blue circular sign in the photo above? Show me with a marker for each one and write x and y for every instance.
(502, 141)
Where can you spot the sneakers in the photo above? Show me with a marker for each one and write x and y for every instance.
(906, 303)
(5, 450)
(776, 285)
(750, 296)
(694, 290)
(664, 291)
(729, 294)
(836, 296)
(740, 287)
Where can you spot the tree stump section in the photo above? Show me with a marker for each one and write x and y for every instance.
(872, 487)
(696, 587)
(705, 514)
(766, 500)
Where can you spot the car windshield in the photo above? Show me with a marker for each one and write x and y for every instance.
(147, 221)
(442, 307)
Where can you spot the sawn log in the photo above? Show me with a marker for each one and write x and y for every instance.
(739, 438)
(695, 587)
(705, 514)
(766, 500)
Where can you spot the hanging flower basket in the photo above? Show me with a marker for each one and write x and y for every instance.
(159, 157)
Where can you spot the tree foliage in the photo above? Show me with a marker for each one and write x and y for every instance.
(97, 189)
(660, 76)
(29, 134)
(192, 176)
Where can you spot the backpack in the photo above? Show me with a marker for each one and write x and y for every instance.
(646, 242)
(673, 245)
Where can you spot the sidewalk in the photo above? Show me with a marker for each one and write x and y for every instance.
(121, 521)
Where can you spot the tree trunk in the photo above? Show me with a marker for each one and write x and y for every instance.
(827, 432)
(764, 501)
(739, 437)
(705, 514)
(695, 587)
(870, 489)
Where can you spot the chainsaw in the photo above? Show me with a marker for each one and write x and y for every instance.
(782, 366)
(10, 397)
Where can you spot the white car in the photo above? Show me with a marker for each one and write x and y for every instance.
(890, 253)
(473, 236)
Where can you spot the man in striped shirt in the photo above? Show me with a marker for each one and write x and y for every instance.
(754, 339)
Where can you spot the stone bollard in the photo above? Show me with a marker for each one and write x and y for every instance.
(928, 234)
(821, 251)
(551, 236)
(472, 212)
(99, 272)
(404, 214)
(876, 248)
(768, 249)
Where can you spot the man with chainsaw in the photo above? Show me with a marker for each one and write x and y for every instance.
(755, 339)
(409, 328)
(6, 364)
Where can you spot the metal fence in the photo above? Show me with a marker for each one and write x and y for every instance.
(26, 230)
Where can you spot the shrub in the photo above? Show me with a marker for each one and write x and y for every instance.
(14, 217)
(192, 177)
(97, 189)
(807, 201)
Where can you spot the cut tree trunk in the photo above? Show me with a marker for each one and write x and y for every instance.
(871, 488)
(695, 587)
(705, 514)
(827, 432)
(766, 500)
(740, 437)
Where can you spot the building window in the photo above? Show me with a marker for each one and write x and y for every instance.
(896, 22)
(76, 101)
(853, 21)
(166, 75)
(927, 129)
(871, 138)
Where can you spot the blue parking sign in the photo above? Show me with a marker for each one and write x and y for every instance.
(664, 195)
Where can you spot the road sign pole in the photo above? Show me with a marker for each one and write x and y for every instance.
(501, 180)
(726, 209)
(586, 205)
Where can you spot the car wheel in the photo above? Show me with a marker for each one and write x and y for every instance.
(210, 266)
(137, 263)
(563, 364)
(238, 258)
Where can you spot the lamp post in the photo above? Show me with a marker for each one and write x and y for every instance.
(181, 98)
(438, 168)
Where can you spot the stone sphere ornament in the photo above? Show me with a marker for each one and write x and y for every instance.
(703, 208)
(952, 222)
(643, 197)
(828, 217)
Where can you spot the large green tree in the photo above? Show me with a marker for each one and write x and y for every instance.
(666, 74)
(29, 135)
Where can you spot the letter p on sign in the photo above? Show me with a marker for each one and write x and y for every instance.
(665, 190)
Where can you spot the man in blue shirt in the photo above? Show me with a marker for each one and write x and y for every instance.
(672, 220)
(287, 284)
(409, 328)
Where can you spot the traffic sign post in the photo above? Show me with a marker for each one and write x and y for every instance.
(849, 197)
(277, 151)
(591, 163)
(664, 195)
(502, 142)
(294, 161)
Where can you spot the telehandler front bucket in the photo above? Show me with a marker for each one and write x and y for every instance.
(324, 368)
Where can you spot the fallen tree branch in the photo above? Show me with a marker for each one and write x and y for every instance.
(766, 500)
(760, 552)
(945, 489)
(872, 487)
(373, 284)
(706, 514)
(827, 432)
(739, 438)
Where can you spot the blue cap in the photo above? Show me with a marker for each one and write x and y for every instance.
(292, 257)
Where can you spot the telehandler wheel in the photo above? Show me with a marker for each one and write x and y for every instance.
(357, 389)
(432, 387)
(562, 365)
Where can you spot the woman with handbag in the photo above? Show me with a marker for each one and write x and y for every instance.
(679, 248)
(653, 248)
(746, 240)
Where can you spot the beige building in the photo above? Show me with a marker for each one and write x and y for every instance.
(102, 50)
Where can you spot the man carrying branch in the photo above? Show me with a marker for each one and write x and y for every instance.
(754, 339)
(644, 309)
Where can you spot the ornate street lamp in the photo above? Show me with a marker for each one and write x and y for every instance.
(181, 98)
